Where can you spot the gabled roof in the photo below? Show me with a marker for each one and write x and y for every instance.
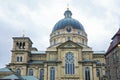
(118, 33)
(115, 42)
(69, 44)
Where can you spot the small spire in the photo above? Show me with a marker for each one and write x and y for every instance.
(23, 33)
(68, 13)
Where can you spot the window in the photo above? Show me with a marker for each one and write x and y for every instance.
(52, 73)
(68, 38)
(19, 59)
(54, 41)
(20, 45)
(108, 61)
(30, 72)
(23, 46)
(68, 29)
(115, 57)
(87, 73)
(82, 41)
(17, 45)
(97, 72)
(41, 74)
(109, 75)
(117, 73)
(69, 63)
(18, 71)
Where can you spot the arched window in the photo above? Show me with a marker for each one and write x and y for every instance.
(20, 45)
(23, 45)
(52, 73)
(20, 58)
(42, 74)
(17, 59)
(87, 73)
(18, 71)
(17, 45)
(69, 63)
(30, 72)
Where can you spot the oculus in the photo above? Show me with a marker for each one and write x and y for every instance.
(68, 29)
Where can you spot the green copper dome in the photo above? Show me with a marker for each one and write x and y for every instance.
(68, 21)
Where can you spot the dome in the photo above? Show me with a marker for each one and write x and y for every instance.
(68, 21)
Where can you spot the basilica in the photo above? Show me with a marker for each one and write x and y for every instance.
(67, 58)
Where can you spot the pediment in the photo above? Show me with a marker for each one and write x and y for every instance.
(69, 44)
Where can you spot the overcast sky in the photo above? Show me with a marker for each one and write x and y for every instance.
(100, 18)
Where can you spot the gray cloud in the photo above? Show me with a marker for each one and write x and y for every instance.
(37, 18)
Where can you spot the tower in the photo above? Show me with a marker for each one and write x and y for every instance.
(20, 54)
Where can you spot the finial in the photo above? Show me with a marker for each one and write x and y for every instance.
(67, 6)
(23, 35)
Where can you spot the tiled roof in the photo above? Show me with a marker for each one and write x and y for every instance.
(5, 70)
(36, 62)
(99, 52)
(12, 76)
(29, 78)
(38, 52)
(118, 33)
(85, 61)
(115, 42)
(42, 61)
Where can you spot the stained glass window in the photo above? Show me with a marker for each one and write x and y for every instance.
(69, 63)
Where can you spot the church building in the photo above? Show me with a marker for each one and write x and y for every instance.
(67, 58)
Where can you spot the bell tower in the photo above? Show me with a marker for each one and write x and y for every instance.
(21, 49)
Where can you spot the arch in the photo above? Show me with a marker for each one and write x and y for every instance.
(52, 73)
(17, 45)
(20, 45)
(23, 46)
(30, 72)
(41, 74)
(87, 73)
(69, 63)
(18, 71)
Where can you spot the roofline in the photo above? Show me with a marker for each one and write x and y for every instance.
(22, 38)
(112, 49)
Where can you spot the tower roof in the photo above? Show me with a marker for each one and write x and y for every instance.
(68, 21)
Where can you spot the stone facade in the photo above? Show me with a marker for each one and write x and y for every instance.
(112, 58)
(67, 58)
